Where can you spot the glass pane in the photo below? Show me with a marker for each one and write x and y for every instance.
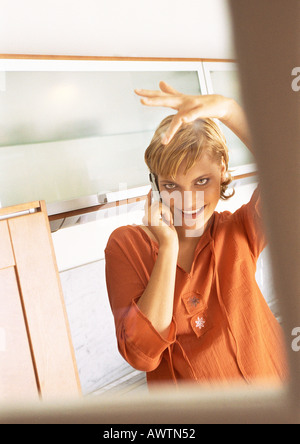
(227, 84)
(65, 135)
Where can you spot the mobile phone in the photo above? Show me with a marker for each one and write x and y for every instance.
(155, 189)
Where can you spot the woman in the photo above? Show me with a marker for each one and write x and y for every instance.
(182, 286)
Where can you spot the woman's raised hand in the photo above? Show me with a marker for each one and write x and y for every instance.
(159, 219)
(189, 107)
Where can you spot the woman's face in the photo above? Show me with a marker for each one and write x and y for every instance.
(193, 197)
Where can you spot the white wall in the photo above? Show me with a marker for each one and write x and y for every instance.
(133, 28)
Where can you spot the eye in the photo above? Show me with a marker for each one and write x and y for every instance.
(203, 181)
(170, 186)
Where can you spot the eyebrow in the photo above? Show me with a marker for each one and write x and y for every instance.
(199, 177)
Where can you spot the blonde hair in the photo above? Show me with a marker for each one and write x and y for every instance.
(189, 143)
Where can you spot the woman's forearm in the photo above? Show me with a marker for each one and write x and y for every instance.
(190, 108)
(157, 301)
(235, 119)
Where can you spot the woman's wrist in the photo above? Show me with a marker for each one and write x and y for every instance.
(227, 108)
(169, 245)
(235, 119)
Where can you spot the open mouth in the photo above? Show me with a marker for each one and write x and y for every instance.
(193, 214)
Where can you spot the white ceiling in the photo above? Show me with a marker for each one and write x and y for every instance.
(122, 28)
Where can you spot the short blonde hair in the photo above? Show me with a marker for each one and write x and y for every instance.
(189, 143)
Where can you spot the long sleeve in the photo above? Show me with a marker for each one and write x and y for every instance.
(249, 215)
(129, 262)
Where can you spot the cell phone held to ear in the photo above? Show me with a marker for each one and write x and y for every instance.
(154, 186)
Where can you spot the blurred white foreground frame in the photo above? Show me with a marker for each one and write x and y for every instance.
(2, 340)
(266, 37)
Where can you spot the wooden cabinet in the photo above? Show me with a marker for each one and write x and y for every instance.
(36, 352)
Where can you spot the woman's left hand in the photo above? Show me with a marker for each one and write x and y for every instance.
(189, 107)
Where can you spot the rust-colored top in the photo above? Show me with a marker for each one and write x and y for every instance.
(222, 328)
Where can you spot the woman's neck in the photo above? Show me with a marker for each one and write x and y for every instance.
(190, 237)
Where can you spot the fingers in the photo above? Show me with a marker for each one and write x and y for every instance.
(178, 120)
(148, 199)
(174, 126)
(167, 101)
(147, 92)
(156, 213)
(188, 107)
(167, 216)
(166, 88)
(167, 97)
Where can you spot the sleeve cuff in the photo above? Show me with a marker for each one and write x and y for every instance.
(141, 333)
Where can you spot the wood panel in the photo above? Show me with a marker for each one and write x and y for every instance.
(19, 208)
(6, 253)
(44, 306)
(109, 59)
(17, 376)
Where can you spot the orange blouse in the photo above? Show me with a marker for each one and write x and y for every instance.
(222, 329)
